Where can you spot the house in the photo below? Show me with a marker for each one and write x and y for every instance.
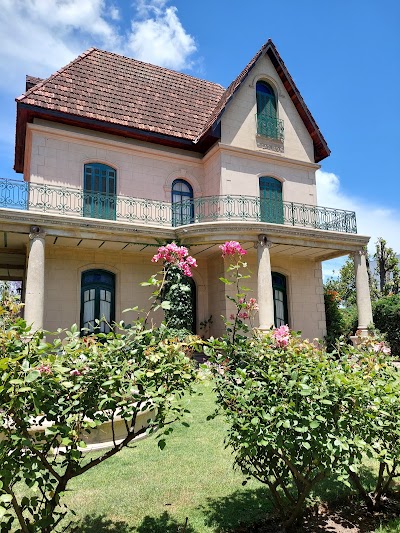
(118, 156)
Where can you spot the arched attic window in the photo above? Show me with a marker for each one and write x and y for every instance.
(99, 191)
(268, 124)
(182, 203)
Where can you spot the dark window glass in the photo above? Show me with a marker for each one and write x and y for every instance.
(97, 300)
(182, 203)
(280, 299)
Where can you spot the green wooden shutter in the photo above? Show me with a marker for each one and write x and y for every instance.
(271, 204)
(100, 185)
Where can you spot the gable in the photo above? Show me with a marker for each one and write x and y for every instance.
(277, 128)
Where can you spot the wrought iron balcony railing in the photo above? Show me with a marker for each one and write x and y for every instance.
(270, 127)
(78, 203)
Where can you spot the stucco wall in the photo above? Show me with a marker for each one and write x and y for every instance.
(63, 270)
(238, 122)
(305, 293)
(240, 175)
(58, 156)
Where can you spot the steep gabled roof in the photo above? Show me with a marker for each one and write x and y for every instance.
(320, 146)
(108, 92)
(111, 88)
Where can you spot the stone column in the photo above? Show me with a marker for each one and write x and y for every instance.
(34, 292)
(363, 295)
(264, 284)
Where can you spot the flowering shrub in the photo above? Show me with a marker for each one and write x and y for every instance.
(232, 248)
(68, 388)
(177, 256)
(174, 289)
(297, 414)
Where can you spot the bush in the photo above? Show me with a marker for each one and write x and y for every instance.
(298, 415)
(53, 394)
(386, 313)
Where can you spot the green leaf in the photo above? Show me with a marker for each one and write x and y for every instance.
(5, 498)
(161, 444)
(166, 305)
(32, 376)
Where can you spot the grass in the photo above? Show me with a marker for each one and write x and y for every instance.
(151, 491)
(146, 490)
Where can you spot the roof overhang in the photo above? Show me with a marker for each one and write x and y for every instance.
(27, 113)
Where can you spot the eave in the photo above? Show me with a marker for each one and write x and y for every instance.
(27, 113)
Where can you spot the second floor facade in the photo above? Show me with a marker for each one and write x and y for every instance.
(197, 153)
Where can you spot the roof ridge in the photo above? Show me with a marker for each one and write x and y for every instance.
(55, 74)
(160, 67)
(233, 86)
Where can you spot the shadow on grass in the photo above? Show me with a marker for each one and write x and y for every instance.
(163, 524)
(101, 524)
(237, 509)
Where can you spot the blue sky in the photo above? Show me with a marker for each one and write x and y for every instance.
(343, 56)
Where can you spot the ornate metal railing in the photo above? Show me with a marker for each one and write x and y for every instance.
(270, 127)
(78, 203)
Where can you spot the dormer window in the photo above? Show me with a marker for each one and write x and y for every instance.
(268, 124)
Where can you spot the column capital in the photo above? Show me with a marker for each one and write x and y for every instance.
(263, 242)
(36, 232)
(361, 251)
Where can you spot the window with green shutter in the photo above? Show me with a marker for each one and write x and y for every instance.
(271, 204)
(97, 300)
(99, 191)
(268, 124)
(280, 299)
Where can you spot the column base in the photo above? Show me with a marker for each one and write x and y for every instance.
(360, 334)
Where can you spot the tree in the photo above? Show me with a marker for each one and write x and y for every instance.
(387, 268)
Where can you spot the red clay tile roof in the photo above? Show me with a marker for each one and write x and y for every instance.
(31, 81)
(113, 92)
(112, 88)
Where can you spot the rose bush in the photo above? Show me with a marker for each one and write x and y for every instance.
(69, 387)
(298, 415)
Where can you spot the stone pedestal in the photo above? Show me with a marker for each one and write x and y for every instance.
(264, 284)
(363, 294)
(34, 292)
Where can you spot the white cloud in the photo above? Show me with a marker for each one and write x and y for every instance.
(372, 219)
(161, 38)
(41, 36)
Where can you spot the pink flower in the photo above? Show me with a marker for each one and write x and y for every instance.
(252, 305)
(75, 372)
(177, 256)
(281, 336)
(381, 347)
(243, 315)
(232, 317)
(232, 248)
(44, 369)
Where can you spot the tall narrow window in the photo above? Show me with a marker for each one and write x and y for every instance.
(271, 204)
(268, 123)
(182, 203)
(97, 300)
(280, 299)
(100, 185)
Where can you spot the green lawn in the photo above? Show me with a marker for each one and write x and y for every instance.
(151, 491)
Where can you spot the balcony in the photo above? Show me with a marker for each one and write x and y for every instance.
(71, 202)
(270, 127)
